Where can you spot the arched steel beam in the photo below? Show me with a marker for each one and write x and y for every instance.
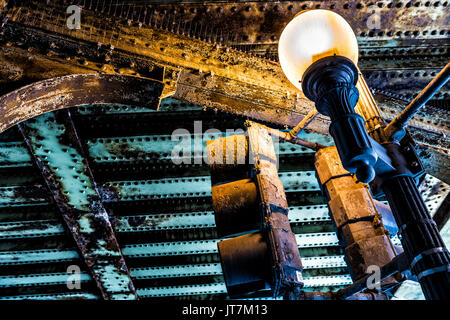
(77, 89)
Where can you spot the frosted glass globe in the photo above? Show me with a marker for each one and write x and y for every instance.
(310, 36)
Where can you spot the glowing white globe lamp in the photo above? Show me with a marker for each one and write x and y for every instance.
(311, 35)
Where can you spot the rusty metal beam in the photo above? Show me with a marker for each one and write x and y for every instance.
(412, 32)
(209, 73)
(53, 142)
(407, 81)
(261, 22)
(72, 90)
(436, 161)
(252, 84)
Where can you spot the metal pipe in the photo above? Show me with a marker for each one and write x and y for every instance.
(401, 120)
(304, 123)
(287, 136)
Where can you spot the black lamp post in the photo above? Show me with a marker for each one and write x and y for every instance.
(318, 52)
(331, 83)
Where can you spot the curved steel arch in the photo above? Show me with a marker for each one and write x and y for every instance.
(74, 90)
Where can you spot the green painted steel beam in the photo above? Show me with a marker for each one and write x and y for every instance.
(306, 240)
(161, 147)
(156, 249)
(54, 296)
(132, 190)
(155, 148)
(192, 187)
(148, 223)
(43, 279)
(8, 258)
(30, 229)
(211, 269)
(161, 272)
(23, 196)
(182, 290)
(83, 277)
(14, 154)
(53, 142)
(219, 287)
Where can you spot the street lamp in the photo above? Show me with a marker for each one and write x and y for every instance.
(318, 53)
(311, 35)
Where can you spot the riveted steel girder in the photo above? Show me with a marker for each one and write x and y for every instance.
(53, 142)
(401, 44)
(53, 296)
(156, 249)
(210, 288)
(261, 22)
(185, 290)
(442, 217)
(434, 193)
(170, 188)
(139, 274)
(152, 43)
(148, 223)
(209, 73)
(195, 270)
(177, 271)
(155, 148)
